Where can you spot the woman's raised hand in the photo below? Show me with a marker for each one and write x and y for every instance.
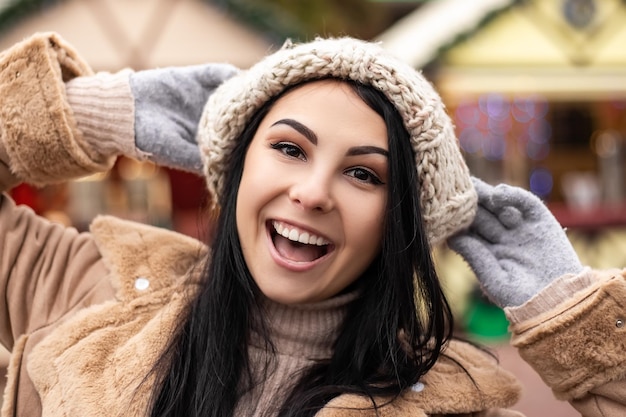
(515, 246)
(168, 105)
(146, 115)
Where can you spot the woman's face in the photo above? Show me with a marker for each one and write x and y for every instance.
(311, 202)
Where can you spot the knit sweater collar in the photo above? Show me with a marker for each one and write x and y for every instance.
(302, 335)
(308, 331)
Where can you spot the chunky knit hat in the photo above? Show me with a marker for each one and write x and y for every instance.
(447, 196)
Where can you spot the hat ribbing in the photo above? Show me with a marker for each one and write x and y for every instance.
(448, 198)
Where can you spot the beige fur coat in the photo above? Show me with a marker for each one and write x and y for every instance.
(83, 332)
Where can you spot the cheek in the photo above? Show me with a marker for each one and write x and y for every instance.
(367, 226)
(246, 198)
(256, 188)
(251, 178)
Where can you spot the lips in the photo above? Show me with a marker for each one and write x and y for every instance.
(295, 245)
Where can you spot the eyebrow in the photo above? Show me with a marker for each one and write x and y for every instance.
(365, 150)
(302, 129)
(312, 137)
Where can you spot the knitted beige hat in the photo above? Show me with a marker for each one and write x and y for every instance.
(447, 196)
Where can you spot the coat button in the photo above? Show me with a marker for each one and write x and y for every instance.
(418, 387)
(142, 284)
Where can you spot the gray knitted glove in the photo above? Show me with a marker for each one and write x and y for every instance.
(168, 106)
(514, 246)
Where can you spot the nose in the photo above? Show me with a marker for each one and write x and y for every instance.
(312, 192)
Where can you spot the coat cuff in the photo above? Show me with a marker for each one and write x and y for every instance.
(562, 288)
(37, 126)
(581, 343)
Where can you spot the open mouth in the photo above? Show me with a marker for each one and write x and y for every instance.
(297, 245)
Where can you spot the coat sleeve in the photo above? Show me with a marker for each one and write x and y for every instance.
(42, 265)
(578, 344)
(46, 270)
(40, 140)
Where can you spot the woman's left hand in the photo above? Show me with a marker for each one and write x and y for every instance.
(515, 246)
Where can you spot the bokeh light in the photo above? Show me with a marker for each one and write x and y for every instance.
(488, 124)
(541, 182)
(471, 140)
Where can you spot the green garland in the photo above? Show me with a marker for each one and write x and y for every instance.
(19, 9)
(275, 23)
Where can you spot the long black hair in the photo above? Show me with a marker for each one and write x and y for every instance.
(392, 335)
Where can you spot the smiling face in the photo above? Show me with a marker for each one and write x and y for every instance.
(312, 196)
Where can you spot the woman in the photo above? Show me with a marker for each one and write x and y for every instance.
(306, 302)
(310, 179)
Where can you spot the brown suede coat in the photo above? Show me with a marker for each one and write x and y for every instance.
(83, 335)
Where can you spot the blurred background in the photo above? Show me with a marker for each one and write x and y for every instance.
(536, 88)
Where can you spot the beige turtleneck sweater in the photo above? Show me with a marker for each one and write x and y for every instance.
(302, 336)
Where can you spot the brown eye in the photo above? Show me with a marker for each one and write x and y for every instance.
(289, 149)
(364, 175)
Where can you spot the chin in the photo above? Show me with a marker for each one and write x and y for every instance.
(288, 297)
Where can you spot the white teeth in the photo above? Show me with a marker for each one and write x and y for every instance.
(296, 235)
(303, 238)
